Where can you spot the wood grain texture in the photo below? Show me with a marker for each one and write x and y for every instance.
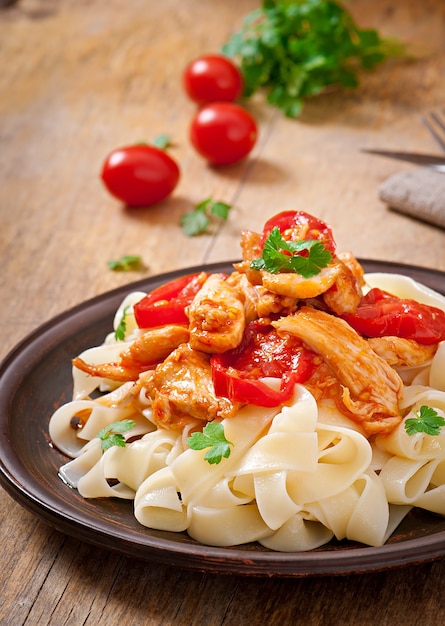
(80, 78)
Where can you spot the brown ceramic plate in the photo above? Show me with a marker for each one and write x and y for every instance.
(35, 378)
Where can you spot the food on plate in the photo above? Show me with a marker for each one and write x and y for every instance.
(292, 400)
(223, 133)
(212, 78)
(140, 175)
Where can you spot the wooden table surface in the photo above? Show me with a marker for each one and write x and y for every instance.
(80, 78)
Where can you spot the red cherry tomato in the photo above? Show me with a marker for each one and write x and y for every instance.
(223, 133)
(166, 304)
(300, 225)
(262, 353)
(140, 175)
(381, 314)
(212, 78)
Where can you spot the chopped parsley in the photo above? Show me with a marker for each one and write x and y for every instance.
(211, 437)
(197, 221)
(162, 141)
(112, 435)
(304, 257)
(119, 333)
(127, 263)
(426, 420)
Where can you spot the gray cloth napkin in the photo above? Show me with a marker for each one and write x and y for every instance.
(419, 193)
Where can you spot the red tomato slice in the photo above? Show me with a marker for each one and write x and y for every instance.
(292, 223)
(381, 314)
(262, 353)
(166, 304)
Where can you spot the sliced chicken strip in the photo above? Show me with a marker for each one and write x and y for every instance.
(398, 351)
(217, 316)
(147, 350)
(295, 286)
(371, 388)
(345, 294)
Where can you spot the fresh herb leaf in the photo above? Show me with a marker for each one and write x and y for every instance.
(112, 435)
(119, 333)
(194, 223)
(427, 421)
(211, 437)
(197, 221)
(127, 263)
(295, 49)
(304, 257)
(162, 141)
(220, 209)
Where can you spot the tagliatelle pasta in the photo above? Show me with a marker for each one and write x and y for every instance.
(298, 474)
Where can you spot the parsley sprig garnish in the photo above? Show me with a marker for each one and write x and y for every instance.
(112, 435)
(127, 263)
(426, 420)
(295, 49)
(212, 437)
(119, 333)
(280, 255)
(197, 221)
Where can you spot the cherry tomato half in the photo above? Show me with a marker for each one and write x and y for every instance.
(262, 352)
(223, 133)
(381, 314)
(300, 225)
(140, 175)
(212, 78)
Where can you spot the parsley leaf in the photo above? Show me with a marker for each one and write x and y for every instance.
(119, 333)
(197, 221)
(280, 255)
(111, 435)
(427, 421)
(162, 141)
(211, 437)
(295, 49)
(194, 223)
(127, 263)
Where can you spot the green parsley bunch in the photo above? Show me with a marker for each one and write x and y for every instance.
(296, 49)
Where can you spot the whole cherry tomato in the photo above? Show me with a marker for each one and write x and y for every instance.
(140, 175)
(223, 133)
(212, 78)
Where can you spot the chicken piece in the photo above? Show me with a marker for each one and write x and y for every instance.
(295, 286)
(400, 352)
(182, 391)
(217, 316)
(353, 264)
(251, 247)
(371, 388)
(247, 292)
(345, 294)
(271, 304)
(253, 276)
(147, 350)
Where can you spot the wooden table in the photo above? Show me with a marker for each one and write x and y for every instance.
(80, 78)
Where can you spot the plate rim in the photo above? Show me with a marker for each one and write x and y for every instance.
(239, 560)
